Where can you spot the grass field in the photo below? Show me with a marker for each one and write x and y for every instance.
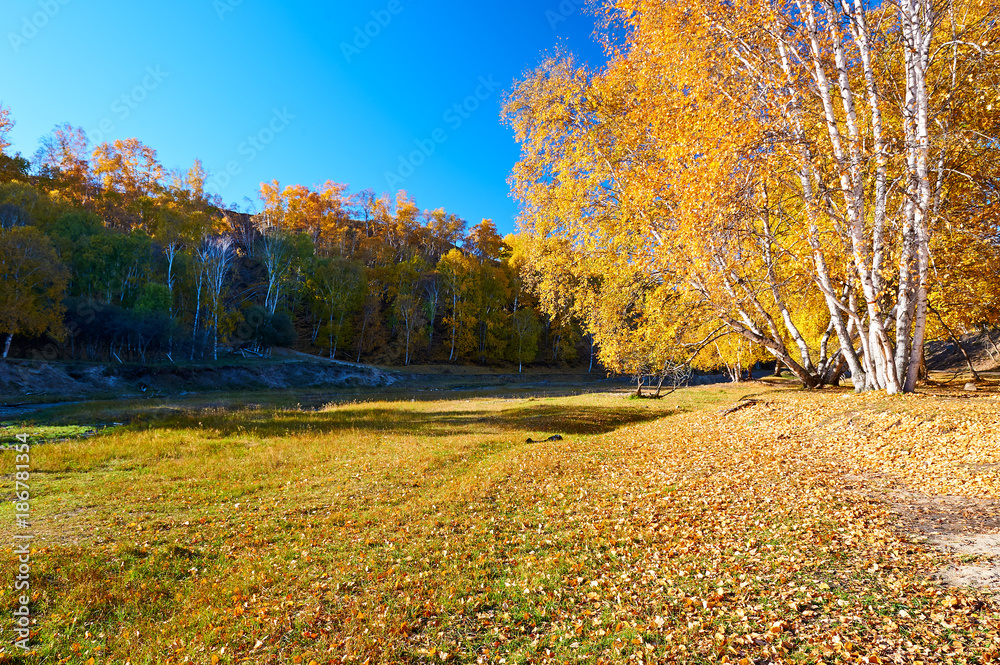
(429, 531)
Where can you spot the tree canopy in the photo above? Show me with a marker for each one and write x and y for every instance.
(797, 172)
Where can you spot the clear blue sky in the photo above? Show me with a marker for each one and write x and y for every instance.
(198, 78)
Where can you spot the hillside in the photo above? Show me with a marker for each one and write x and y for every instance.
(983, 349)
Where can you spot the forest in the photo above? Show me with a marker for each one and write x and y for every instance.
(105, 255)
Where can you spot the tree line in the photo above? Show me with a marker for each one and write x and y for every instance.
(107, 256)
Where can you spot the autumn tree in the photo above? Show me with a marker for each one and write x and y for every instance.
(489, 297)
(215, 258)
(129, 174)
(524, 323)
(408, 304)
(455, 269)
(64, 156)
(432, 285)
(322, 213)
(275, 252)
(747, 152)
(444, 232)
(6, 124)
(484, 241)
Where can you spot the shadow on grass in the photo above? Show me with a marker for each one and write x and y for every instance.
(547, 418)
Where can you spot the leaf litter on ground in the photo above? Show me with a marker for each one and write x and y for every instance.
(761, 536)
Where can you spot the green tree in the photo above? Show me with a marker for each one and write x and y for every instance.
(32, 285)
(338, 287)
(525, 341)
(408, 304)
(153, 299)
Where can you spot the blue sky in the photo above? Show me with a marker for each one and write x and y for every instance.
(261, 89)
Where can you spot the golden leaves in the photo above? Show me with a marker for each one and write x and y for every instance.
(650, 172)
(127, 166)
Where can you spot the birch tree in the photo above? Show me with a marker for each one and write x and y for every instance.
(339, 284)
(275, 252)
(753, 151)
(215, 256)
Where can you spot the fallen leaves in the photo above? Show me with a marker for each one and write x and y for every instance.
(693, 538)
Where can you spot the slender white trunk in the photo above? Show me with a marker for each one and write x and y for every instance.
(454, 324)
(807, 174)
(171, 250)
(918, 28)
(878, 348)
(197, 313)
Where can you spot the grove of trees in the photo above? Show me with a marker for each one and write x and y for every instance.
(812, 180)
(106, 255)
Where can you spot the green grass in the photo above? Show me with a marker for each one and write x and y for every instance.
(423, 531)
(45, 433)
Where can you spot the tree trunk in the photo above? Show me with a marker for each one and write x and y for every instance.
(215, 337)
(6, 345)
(659, 385)
(197, 315)
(454, 325)
(171, 255)
(407, 354)
(340, 328)
(333, 348)
(361, 339)
(776, 349)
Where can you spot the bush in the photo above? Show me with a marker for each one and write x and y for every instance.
(262, 331)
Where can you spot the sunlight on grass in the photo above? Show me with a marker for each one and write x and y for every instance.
(430, 531)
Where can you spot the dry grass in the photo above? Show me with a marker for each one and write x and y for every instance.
(423, 532)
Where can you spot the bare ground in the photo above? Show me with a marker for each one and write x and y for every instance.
(965, 527)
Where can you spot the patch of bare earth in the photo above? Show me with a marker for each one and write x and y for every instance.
(965, 527)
